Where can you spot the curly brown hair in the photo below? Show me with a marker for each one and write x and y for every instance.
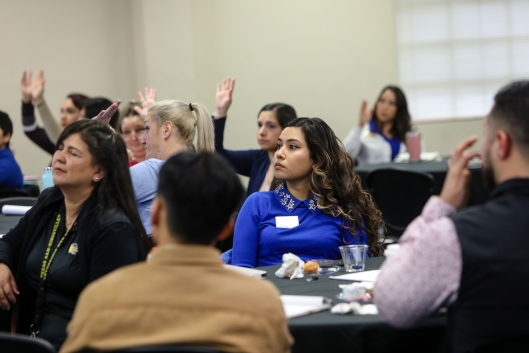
(337, 186)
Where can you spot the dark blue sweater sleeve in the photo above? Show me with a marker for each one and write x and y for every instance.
(243, 160)
(36, 134)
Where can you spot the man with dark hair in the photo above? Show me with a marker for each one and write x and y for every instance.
(184, 295)
(476, 261)
(10, 173)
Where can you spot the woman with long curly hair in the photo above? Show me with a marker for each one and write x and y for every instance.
(318, 206)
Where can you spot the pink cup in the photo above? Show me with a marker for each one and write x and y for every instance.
(413, 144)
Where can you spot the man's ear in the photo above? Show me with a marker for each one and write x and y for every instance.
(228, 229)
(156, 211)
(505, 144)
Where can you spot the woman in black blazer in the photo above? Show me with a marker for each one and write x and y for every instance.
(81, 229)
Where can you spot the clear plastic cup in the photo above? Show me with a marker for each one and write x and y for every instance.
(354, 257)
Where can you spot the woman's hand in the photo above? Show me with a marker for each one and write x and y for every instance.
(365, 116)
(8, 287)
(223, 97)
(32, 89)
(146, 101)
(105, 115)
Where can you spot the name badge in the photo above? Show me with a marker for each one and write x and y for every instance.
(287, 222)
(74, 248)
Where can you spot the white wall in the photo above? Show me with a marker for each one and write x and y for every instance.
(83, 46)
(163, 47)
(321, 57)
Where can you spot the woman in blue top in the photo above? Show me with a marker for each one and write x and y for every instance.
(255, 164)
(10, 173)
(319, 206)
(381, 132)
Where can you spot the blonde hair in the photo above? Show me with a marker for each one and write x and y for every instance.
(186, 121)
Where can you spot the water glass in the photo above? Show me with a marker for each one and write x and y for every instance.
(354, 257)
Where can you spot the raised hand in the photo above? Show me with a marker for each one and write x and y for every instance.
(365, 116)
(146, 101)
(8, 287)
(223, 97)
(456, 186)
(105, 115)
(32, 89)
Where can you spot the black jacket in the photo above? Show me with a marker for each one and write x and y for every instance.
(107, 241)
(492, 302)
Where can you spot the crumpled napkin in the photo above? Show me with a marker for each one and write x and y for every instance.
(354, 308)
(292, 267)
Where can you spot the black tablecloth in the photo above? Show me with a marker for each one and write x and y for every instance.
(326, 332)
(8, 222)
(437, 169)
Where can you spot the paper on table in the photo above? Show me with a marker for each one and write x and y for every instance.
(365, 276)
(300, 305)
(252, 272)
(15, 210)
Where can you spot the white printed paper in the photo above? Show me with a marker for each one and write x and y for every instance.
(364, 276)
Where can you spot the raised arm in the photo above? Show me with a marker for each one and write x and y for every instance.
(105, 115)
(223, 98)
(29, 123)
(243, 160)
(352, 142)
(33, 87)
(146, 101)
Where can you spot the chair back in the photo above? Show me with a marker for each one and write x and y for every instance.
(159, 349)
(32, 189)
(24, 344)
(13, 193)
(400, 195)
(18, 201)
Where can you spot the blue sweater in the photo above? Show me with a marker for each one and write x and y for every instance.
(145, 177)
(250, 163)
(10, 173)
(261, 240)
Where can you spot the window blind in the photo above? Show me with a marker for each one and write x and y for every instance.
(454, 55)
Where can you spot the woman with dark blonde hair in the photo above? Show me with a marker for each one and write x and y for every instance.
(170, 127)
(320, 196)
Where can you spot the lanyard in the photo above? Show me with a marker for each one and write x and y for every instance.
(46, 263)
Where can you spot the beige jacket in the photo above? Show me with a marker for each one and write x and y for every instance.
(183, 295)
